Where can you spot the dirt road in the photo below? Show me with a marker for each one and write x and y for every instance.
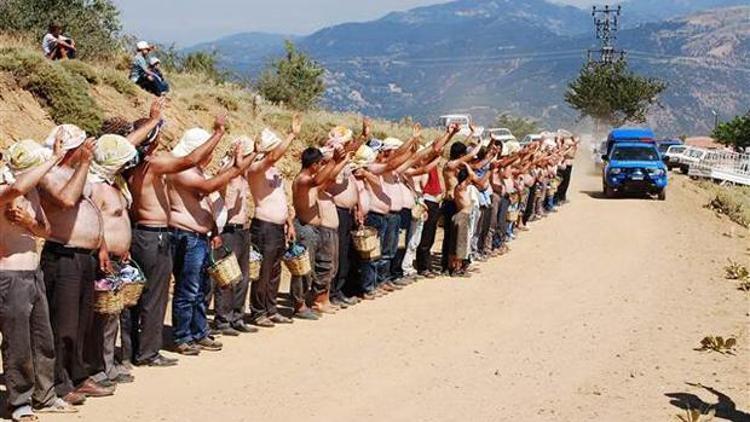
(592, 317)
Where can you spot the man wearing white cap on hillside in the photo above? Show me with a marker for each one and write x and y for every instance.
(141, 74)
(192, 223)
(151, 246)
(230, 302)
(69, 261)
(272, 225)
(28, 344)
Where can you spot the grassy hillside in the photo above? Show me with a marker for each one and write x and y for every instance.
(36, 94)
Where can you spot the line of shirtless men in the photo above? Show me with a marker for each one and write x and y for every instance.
(100, 203)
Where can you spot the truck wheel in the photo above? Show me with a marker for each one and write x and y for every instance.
(609, 192)
(662, 194)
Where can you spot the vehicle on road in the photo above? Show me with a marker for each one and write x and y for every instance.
(672, 156)
(463, 121)
(532, 137)
(691, 156)
(634, 167)
(630, 134)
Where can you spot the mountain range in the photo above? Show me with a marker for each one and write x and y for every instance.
(517, 56)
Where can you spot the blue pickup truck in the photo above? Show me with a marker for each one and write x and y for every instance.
(633, 164)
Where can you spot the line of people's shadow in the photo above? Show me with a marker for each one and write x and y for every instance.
(724, 408)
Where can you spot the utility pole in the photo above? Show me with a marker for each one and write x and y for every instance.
(607, 23)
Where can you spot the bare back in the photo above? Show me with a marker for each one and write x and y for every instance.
(236, 201)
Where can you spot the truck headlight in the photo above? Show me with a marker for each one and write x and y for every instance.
(615, 171)
(656, 172)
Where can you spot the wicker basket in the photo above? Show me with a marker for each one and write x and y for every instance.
(226, 271)
(365, 240)
(512, 216)
(253, 267)
(108, 302)
(372, 255)
(299, 266)
(131, 292)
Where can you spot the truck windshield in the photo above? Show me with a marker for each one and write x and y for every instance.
(635, 154)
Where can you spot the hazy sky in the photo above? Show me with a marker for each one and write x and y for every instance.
(190, 21)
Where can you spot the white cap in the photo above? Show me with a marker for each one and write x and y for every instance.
(143, 45)
(154, 60)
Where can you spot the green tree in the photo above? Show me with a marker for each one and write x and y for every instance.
(204, 63)
(518, 125)
(734, 133)
(93, 24)
(612, 94)
(296, 80)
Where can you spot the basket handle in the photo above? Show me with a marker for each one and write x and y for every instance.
(212, 258)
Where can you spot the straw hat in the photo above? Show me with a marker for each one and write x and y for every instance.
(269, 141)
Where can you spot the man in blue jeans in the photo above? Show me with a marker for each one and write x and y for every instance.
(193, 230)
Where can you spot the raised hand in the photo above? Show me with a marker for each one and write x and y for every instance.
(58, 151)
(220, 123)
(453, 128)
(416, 131)
(296, 124)
(366, 128)
(87, 150)
(156, 108)
(19, 216)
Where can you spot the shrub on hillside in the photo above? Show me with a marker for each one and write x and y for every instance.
(82, 69)
(202, 63)
(119, 82)
(295, 81)
(93, 24)
(64, 94)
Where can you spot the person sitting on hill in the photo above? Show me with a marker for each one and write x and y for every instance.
(140, 72)
(56, 46)
(154, 65)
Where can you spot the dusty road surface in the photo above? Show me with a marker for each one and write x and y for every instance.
(592, 317)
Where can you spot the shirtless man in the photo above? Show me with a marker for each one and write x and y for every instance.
(28, 346)
(192, 223)
(230, 302)
(151, 247)
(460, 248)
(69, 262)
(316, 225)
(111, 155)
(346, 197)
(459, 156)
(271, 226)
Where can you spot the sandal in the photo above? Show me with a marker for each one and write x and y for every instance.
(58, 406)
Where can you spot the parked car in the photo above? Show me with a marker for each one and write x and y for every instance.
(463, 121)
(505, 138)
(691, 155)
(634, 167)
(664, 144)
(530, 138)
(672, 156)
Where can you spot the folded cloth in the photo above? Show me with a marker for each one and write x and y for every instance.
(111, 155)
(190, 141)
(72, 136)
(294, 251)
(339, 136)
(26, 154)
(375, 144)
(6, 176)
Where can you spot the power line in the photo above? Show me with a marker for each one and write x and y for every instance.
(606, 24)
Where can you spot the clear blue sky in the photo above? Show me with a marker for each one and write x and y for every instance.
(188, 22)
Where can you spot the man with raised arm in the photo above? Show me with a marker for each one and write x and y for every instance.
(230, 302)
(272, 226)
(69, 262)
(316, 225)
(151, 248)
(346, 197)
(28, 345)
(459, 156)
(192, 222)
